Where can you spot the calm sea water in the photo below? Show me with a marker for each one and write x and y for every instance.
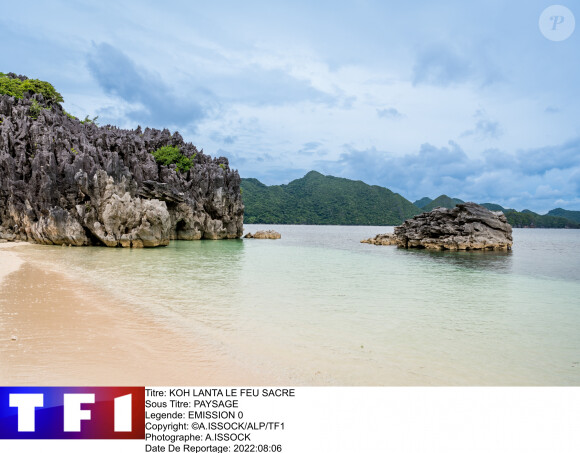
(318, 307)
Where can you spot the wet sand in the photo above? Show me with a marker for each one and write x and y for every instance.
(57, 330)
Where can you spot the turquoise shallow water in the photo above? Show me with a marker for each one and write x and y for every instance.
(318, 307)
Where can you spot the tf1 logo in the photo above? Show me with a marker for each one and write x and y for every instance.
(72, 412)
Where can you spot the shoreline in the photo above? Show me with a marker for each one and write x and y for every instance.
(9, 262)
(55, 329)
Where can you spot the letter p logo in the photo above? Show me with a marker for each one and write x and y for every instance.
(557, 20)
(557, 23)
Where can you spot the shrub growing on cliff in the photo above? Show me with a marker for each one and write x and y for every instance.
(9, 86)
(87, 120)
(72, 117)
(13, 86)
(35, 109)
(44, 88)
(167, 155)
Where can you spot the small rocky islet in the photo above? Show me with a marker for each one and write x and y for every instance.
(468, 226)
(263, 234)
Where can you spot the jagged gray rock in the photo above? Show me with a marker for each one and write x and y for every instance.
(468, 226)
(64, 182)
(160, 191)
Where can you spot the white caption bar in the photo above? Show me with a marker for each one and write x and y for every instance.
(408, 419)
(345, 420)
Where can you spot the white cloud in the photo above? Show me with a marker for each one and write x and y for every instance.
(250, 81)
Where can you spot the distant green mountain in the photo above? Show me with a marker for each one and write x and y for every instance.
(494, 207)
(427, 204)
(524, 219)
(316, 199)
(570, 215)
(442, 201)
(530, 219)
(422, 202)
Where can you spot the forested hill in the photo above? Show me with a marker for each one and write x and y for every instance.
(443, 201)
(556, 218)
(570, 215)
(530, 219)
(316, 199)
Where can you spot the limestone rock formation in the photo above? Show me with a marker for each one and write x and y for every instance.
(381, 239)
(270, 234)
(468, 226)
(65, 182)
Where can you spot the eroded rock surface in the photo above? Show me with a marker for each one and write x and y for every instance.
(269, 234)
(381, 239)
(468, 226)
(64, 182)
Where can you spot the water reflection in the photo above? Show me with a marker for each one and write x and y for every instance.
(490, 260)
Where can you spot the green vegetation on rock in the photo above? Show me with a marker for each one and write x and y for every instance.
(167, 155)
(68, 115)
(316, 199)
(88, 120)
(34, 109)
(14, 86)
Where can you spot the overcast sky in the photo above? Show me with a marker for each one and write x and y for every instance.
(463, 98)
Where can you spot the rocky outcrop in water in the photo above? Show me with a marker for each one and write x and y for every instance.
(381, 239)
(65, 182)
(468, 226)
(269, 234)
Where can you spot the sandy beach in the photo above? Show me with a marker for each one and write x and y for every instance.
(55, 329)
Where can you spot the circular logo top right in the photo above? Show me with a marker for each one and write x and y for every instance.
(557, 23)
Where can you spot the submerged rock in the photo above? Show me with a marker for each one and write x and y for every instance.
(270, 234)
(65, 182)
(468, 226)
